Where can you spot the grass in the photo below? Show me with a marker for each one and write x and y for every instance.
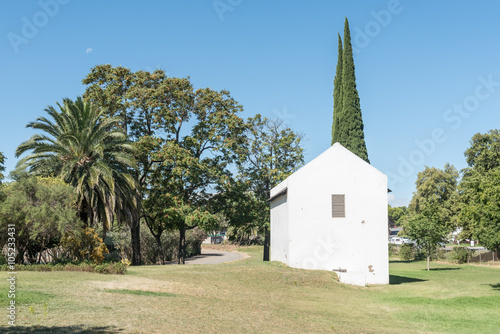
(251, 296)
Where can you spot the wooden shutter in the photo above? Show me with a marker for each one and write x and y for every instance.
(338, 206)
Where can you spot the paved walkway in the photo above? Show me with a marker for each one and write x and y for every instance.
(212, 256)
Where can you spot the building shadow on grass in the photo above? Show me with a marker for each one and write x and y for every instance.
(60, 330)
(438, 269)
(395, 280)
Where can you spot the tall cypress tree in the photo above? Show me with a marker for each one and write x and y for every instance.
(350, 121)
(337, 95)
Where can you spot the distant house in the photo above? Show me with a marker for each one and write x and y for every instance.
(393, 231)
(332, 215)
(216, 237)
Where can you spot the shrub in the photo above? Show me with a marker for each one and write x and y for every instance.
(113, 268)
(406, 252)
(85, 245)
(63, 260)
(42, 209)
(71, 267)
(170, 244)
(441, 253)
(57, 267)
(151, 252)
(244, 235)
(126, 262)
(461, 254)
(85, 266)
(393, 249)
(42, 267)
(120, 239)
(194, 238)
(420, 255)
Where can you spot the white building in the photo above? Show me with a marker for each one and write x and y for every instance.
(332, 215)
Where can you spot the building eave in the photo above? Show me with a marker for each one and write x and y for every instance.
(281, 193)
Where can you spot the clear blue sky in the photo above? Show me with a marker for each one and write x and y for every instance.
(427, 72)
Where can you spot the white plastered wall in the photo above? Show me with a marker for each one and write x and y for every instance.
(356, 243)
(279, 226)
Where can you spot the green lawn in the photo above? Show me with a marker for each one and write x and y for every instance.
(250, 296)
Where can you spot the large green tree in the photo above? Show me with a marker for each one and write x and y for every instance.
(196, 165)
(480, 212)
(185, 142)
(480, 190)
(436, 186)
(273, 153)
(426, 229)
(484, 151)
(430, 212)
(109, 89)
(350, 129)
(42, 210)
(396, 215)
(88, 151)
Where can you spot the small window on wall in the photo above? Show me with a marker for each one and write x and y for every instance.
(338, 206)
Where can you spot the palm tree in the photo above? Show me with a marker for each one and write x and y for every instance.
(89, 151)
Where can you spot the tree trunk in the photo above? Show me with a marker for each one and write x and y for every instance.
(160, 253)
(182, 246)
(135, 232)
(19, 258)
(104, 231)
(31, 253)
(266, 243)
(428, 262)
(84, 213)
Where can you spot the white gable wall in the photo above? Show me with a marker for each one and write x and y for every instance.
(318, 241)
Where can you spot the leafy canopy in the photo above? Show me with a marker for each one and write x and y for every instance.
(430, 211)
(396, 215)
(42, 210)
(185, 140)
(436, 188)
(479, 204)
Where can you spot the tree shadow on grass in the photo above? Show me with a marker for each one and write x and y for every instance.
(200, 256)
(196, 257)
(495, 286)
(60, 330)
(395, 280)
(399, 261)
